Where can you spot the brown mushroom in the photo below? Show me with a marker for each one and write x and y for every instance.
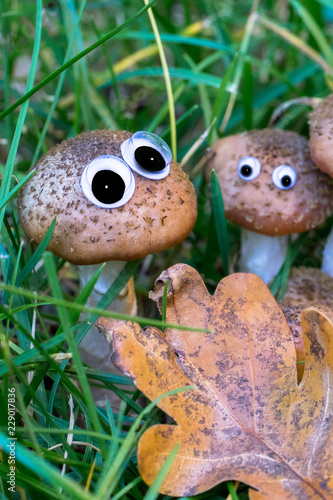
(306, 287)
(108, 209)
(160, 214)
(321, 149)
(271, 188)
(321, 135)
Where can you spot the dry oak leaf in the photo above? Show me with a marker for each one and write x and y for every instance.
(247, 419)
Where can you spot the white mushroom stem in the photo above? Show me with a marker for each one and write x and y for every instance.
(110, 272)
(327, 263)
(94, 349)
(262, 255)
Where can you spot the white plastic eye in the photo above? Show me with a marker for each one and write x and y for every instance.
(147, 154)
(249, 168)
(284, 177)
(108, 182)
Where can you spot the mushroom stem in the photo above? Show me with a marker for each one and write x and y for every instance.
(327, 263)
(94, 349)
(262, 255)
(110, 272)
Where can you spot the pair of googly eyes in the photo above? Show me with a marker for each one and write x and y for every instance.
(108, 181)
(283, 177)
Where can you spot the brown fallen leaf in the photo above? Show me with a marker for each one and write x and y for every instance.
(247, 419)
(307, 287)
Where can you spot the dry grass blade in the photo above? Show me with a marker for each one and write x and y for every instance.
(167, 82)
(296, 42)
(306, 101)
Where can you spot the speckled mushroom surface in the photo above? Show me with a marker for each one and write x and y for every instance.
(321, 135)
(307, 287)
(258, 205)
(160, 214)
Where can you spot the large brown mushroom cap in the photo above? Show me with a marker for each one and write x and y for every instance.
(160, 214)
(259, 205)
(321, 135)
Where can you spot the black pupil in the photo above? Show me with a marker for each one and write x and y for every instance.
(108, 187)
(286, 181)
(246, 170)
(149, 159)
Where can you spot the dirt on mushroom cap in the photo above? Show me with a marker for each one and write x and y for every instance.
(321, 135)
(160, 214)
(259, 205)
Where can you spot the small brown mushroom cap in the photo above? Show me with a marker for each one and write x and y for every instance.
(321, 135)
(160, 214)
(307, 287)
(259, 205)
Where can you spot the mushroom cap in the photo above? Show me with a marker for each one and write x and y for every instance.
(160, 214)
(321, 135)
(308, 285)
(258, 204)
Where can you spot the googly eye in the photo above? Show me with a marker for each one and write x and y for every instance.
(108, 182)
(147, 154)
(284, 177)
(249, 168)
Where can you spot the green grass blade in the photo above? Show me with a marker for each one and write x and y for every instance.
(221, 100)
(315, 30)
(109, 478)
(37, 255)
(243, 50)
(28, 423)
(109, 65)
(280, 281)
(126, 489)
(6, 180)
(15, 190)
(181, 73)
(247, 95)
(232, 490)
(73, 317)
(124, 397)
(285, 272)
(220, 220)
(264, 97)
(9, 240)
(32, 353)
(57, 340)
(167, 79)
(181, 119)
(16, 265)
(79, 56)
(59, 85)
(327, 3)
(98, 311)
(297, 42)
(153, 491)
(44, 470)
(165, 301)
(162, 112)
(178, 39)
(5, 32)
(68, 330)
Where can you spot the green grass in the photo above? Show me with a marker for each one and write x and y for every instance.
(196, 71)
